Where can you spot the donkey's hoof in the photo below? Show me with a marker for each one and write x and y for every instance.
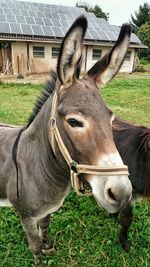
(126, 245)
(48, 251)
(47, 245)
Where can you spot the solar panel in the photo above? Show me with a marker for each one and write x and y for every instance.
(55, 16)
(7, 11)
(63, 16)
(26, 29)
(24, 12)
(15, 28)
(4, 5)
(116, 34)
(134, 38)
(64, 23)
(39, 21)
(48, 31)
(10, 18)
(2, 17)
(56, 22)
(48, 22)
(57, 31)
(69, 17)
(48, 15)
(20, 19)
(111, 36)
(70, 22)
(37, 30)
(15, 12)
(41, 9)
(101, 20)
(64, 29)
(103, 36)
(5, 28)
(32, 14)
(29, 20)
(40, 14)
(88, 36)
(95, 26)
(94, 34)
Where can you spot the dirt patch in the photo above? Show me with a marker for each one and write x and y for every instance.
(34, 78)
(42, 78)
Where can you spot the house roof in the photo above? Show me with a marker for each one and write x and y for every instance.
(20, 20)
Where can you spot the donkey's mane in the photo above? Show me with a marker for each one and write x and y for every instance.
(42, 98)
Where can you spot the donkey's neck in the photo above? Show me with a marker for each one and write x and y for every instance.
(36, 139)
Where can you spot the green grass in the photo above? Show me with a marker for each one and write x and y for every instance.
(85, 235)
(130, 98)
(145, 62)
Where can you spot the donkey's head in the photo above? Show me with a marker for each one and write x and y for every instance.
(83, 119)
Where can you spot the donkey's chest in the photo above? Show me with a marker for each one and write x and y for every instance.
(52, 204)
(49, 209)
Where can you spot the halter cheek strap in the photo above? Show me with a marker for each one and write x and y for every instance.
(75, 168)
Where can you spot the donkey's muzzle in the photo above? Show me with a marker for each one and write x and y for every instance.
(118, 193)
(112, 192)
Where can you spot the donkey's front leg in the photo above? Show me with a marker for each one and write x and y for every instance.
(126, 218)
(35, 243)
(47, 249)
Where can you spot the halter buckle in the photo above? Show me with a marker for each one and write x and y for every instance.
(73, 166)
(52, 122)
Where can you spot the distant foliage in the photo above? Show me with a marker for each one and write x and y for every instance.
(144, 35)
(140, 17)
(140, 23)
(96, 10)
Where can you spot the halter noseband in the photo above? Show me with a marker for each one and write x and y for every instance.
(75, 168)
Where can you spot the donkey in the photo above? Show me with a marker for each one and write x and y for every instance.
(133, 144)
(58, 141)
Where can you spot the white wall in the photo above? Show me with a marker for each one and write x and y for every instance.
(126, 67)
(19, 57)
(41, 65)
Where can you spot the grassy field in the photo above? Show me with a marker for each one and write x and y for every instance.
(84, 234)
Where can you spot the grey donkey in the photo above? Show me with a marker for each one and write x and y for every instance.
(34, 175)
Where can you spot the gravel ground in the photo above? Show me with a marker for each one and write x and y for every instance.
(42, 78)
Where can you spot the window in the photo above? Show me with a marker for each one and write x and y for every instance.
(55, 52)
(97, 53)
(128, 56)
(38, 51)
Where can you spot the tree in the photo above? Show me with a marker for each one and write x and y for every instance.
(144, 35)
(96, 10)
(141, 17)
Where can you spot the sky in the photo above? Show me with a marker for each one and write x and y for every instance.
(119, 10)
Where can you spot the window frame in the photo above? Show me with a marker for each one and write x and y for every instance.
(128, 56)
(55, 53)
(96, 53)
(38, 51)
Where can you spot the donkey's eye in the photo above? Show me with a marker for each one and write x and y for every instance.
(74, 123)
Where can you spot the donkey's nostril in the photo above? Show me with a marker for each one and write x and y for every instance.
(111, 195)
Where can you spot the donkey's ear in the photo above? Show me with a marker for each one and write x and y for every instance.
(71, 51)
(108, 66)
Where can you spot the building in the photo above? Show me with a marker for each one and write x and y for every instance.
(31, 33)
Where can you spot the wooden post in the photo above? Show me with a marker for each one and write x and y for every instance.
(18, 65)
